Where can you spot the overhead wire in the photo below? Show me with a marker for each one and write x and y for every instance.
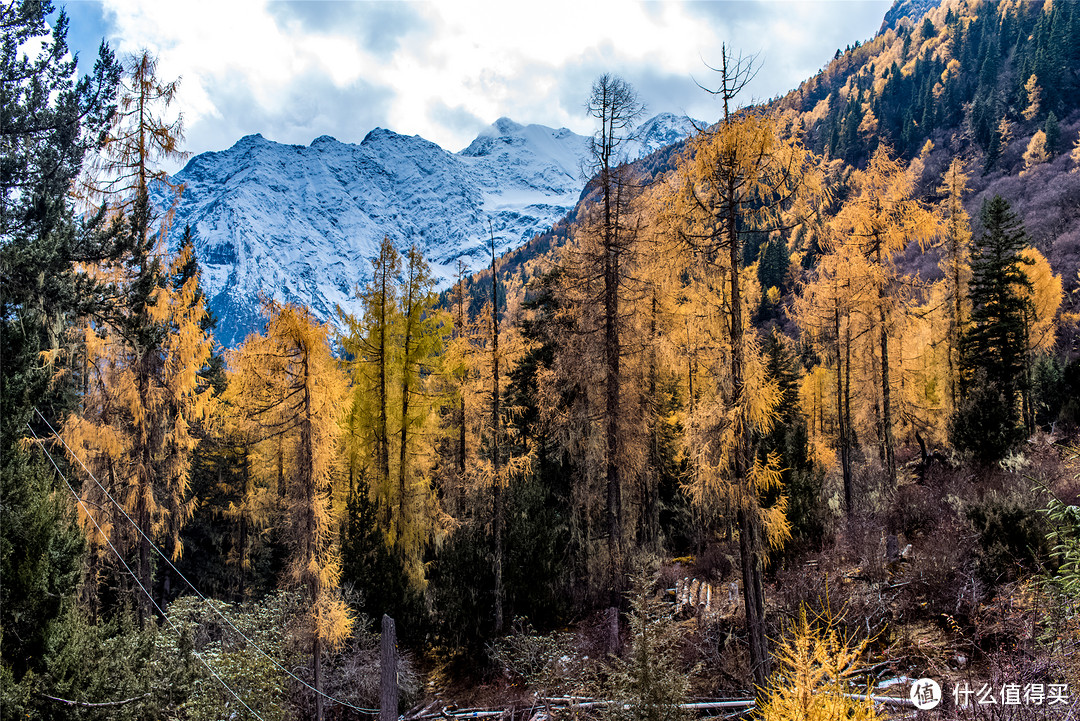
(138, 583)
(190, 585)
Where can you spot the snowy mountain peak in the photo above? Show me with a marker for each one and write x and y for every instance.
(250, 140)
(376, 134)
(658, 132)
(505, 126)
(299, 223)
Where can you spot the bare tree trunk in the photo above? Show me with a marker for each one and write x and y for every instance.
(143, 514)
(241, 554)
(616, 106)
(750, 543)
(316, 653)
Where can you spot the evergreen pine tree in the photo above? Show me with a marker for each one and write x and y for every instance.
(1053, 133)
(48, 121)
(802, 478)
(993, 350)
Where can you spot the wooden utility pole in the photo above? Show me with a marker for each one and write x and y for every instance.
(388, 680)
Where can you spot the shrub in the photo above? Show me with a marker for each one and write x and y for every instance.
(650, 683)
(986, 423)
(254, 677)
(808, 684)
(1012, 535)
(546, 663)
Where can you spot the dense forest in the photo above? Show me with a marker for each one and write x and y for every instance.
(781, 412)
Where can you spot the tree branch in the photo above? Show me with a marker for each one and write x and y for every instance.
(100, 704)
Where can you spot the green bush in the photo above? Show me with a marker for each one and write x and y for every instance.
(986, 423)
(253, 676)
(1064, 540)
(650, 683)
(1012, 535)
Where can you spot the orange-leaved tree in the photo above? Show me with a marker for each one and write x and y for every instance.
(880, 219)
(142, 353)
(747, 174)
(288, 387)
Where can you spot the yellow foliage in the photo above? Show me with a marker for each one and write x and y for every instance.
(136, 429)
(1044, 296)
(1005, 132)
(808, 685)
(748, 170)
(1034, 95)
(884, 216)
(289, 394)
(869, 124)
(953, 68)
(856, 303)
(1036, 153)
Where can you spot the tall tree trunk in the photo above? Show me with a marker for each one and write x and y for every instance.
(955, 325)
(307, 536)
(611, 388)
(650, 476)
(145, 575)
(886, 406)
(459, 332)
(495, 426)
(383, 439)
(388, 672)
(841, 420)
(750, 542)
(316, 654)
(242, 551)
(403, 454)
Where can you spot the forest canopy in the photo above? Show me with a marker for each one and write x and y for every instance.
(819, 331)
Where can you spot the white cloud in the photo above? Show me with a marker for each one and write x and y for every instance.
(442, 70)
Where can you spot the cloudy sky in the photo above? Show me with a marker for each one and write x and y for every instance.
(444, 70)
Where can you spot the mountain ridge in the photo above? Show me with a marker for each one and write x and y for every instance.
(299, 222)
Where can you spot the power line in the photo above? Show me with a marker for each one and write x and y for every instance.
(203, 598)
(135, 577)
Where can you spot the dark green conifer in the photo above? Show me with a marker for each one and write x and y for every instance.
(994, 347)
(48, 121)
(1053, 133)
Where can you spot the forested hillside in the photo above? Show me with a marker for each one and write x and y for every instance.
(785, 415)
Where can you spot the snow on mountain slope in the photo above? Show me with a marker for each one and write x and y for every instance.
(658, 132)
(300, 223)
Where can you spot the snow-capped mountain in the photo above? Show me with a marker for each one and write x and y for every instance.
(300, 223)
(659, 132)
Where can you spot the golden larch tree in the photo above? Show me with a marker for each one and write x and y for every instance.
(746, 174)
(288, 385)
(880, 220)
(955, 264)
(142, 354)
